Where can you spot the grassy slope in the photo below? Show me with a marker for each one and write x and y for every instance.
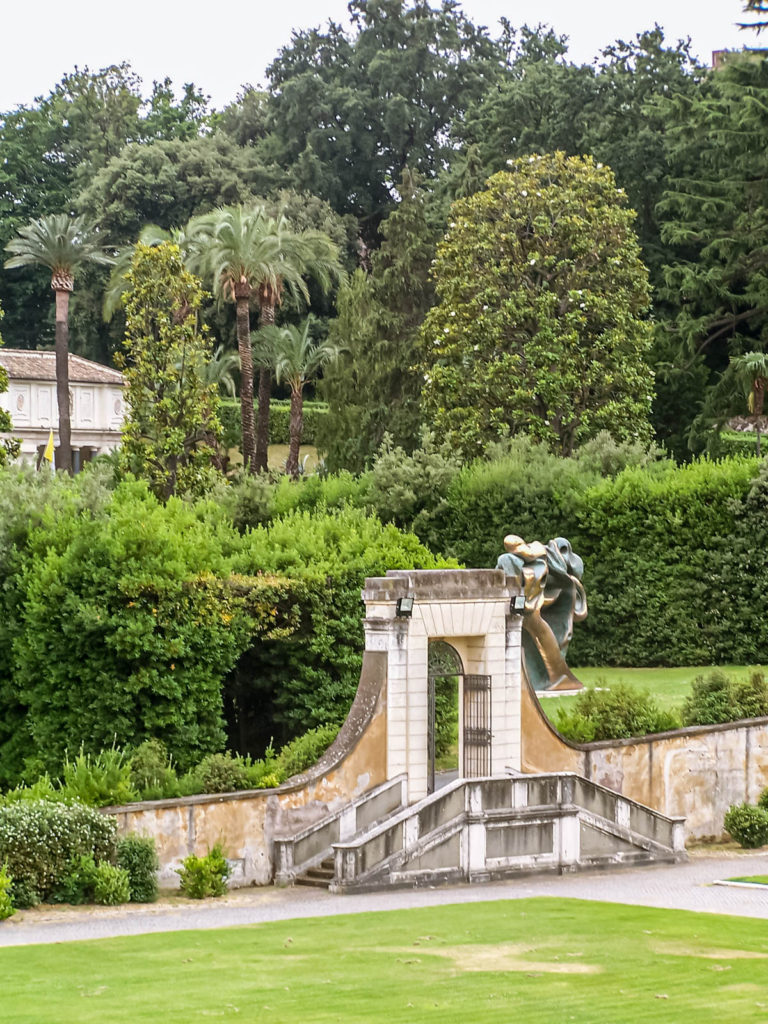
(536, 961)
(668, 685)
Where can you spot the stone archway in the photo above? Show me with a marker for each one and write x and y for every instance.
(470, 609)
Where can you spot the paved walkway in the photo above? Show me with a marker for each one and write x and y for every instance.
(678, 886)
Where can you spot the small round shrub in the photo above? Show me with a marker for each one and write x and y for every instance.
(111, 885)
(221, 773)
(616, 712)
(204, 876)
(763, 801)
(748, 825)
(76, 885)
(137, 855)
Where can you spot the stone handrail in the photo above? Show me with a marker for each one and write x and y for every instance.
(295, 853)
(498, 799)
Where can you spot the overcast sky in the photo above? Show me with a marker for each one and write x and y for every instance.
(221, 46)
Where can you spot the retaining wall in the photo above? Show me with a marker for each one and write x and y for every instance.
(246, 822)
(696, 773)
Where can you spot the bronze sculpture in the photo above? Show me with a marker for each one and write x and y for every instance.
(550, 577)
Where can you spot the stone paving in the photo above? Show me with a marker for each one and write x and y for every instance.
(687, 886)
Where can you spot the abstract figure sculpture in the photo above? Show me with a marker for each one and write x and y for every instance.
(550, 577)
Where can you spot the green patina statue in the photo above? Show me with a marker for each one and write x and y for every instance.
(550, 577)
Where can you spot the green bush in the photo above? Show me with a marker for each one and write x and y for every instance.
(221, 773)
(748, 825)
(305, 751)
(99, 780)
(737, 442)
(39, 840)
(715, 698)
(204, 876)
(153, 776)
(77, 883)
(615, 713)
(111, 885)
(710, 700)
(289, 684)
(763, 801)
(136, 604)
(410, 490)
(137, 856)
(6, 902)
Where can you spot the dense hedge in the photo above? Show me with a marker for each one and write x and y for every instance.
(663, 583)
(279, 421)
(123, 619)
(676, 558)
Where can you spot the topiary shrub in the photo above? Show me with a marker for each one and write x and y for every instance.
(6, 902)
(111, 885)
(40, 839)
(204, 876)
(748, 825)
(611, 714)
(137, 856)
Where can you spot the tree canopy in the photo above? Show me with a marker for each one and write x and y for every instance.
(540, 325)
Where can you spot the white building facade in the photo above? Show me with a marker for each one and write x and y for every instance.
(97, 403)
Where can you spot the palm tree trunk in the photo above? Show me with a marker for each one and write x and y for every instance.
(64, 460)
(246, 381)
(296, 428)
(266, 317)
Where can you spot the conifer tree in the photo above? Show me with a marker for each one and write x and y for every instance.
(373, 389)
(716, 221)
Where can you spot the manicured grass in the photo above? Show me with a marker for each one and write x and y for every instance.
(670, 686)
(542, 961)
(754, 879)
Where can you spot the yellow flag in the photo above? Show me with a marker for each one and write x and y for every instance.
(48, 453)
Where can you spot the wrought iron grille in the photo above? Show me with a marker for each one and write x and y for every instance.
(477, 726)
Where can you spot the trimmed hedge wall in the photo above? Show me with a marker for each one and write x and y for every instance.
(279, 421)
(673, 567)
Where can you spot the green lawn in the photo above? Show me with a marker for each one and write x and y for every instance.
(669, 685)
(541, 961)
(754, 879)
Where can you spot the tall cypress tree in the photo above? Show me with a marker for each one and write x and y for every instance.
(374, 389)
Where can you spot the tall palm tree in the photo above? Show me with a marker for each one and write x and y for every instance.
(297, 359)
(63, 244)
(253, 257)
(751, 373)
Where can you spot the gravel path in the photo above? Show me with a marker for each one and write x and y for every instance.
(679, 886)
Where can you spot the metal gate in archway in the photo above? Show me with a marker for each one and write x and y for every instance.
(474, 695)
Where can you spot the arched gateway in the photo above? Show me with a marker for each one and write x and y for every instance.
(473, 610)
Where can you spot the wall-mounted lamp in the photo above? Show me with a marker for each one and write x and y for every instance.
(517, 604)
(404, 607)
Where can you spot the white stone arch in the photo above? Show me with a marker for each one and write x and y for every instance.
(470, 610)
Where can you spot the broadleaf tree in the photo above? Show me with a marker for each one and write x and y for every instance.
(172, 426)
(540, 328)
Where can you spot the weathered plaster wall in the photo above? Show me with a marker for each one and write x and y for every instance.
(696, 772)
(247, 822)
